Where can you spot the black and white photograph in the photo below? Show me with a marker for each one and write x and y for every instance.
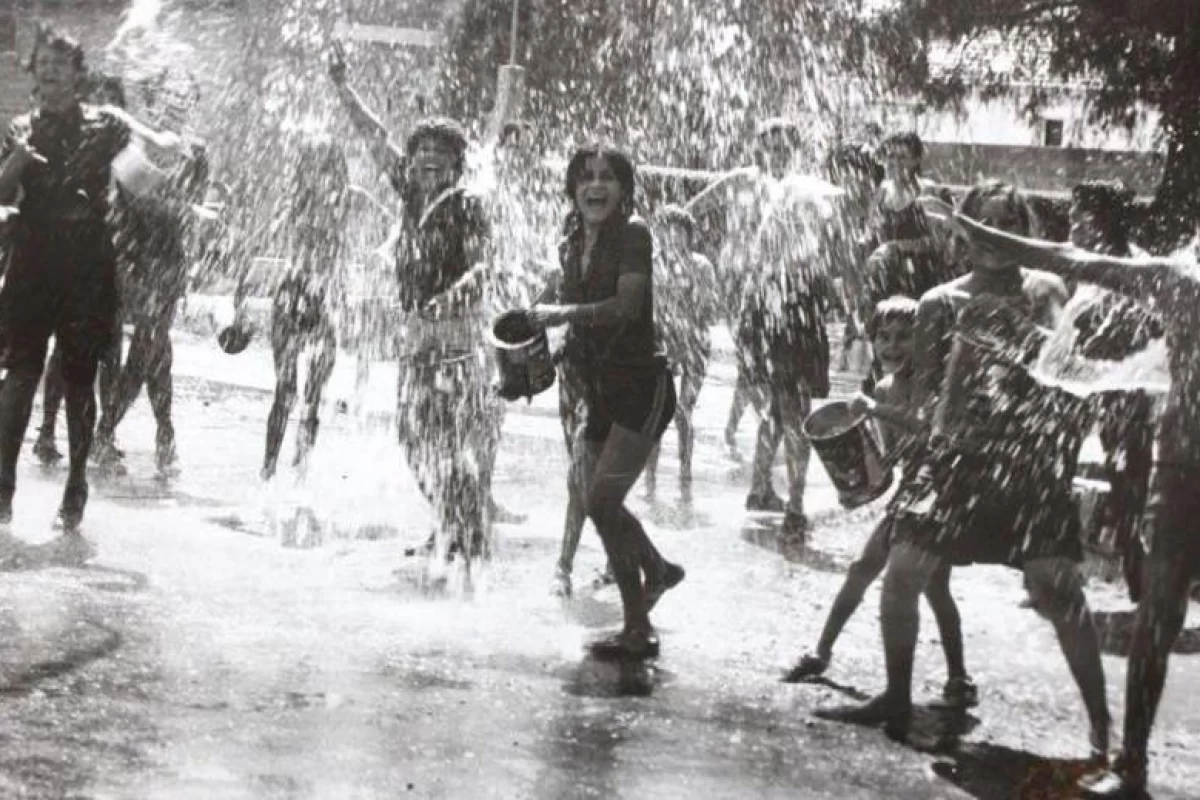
(569, 399)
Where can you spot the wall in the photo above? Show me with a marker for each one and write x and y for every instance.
(1043, 169)
(1002, 121)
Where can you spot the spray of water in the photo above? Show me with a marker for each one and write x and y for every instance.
(1061, 364)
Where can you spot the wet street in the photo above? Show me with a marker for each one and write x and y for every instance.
(231, 640)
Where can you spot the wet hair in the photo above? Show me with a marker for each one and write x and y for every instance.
(517, 134)
(676, 215)
(978, 195)
(111, 85)
(782, 125)
(442, 130)
(51, 38)
(897, 308)
(854, 158)
(906, 139)
(622, 167)
(1110, 203)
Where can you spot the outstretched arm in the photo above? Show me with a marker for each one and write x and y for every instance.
(165, 141)
(1141, 278)
(386, 155)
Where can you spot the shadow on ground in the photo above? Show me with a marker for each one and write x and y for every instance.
(613, 678)
(765, 531)
(994, 772)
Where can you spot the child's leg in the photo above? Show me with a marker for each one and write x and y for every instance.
(862, 573)
(690, 383)
(945, 612)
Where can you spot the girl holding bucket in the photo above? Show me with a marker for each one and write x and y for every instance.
(606, 297)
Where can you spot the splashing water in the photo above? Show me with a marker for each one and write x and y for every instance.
(1059, 363)
(141, 15)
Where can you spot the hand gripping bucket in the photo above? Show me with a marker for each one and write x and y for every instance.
(849, 448)
(522, 355)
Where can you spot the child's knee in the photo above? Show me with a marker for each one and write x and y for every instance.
(908, 571)
(1056, 588)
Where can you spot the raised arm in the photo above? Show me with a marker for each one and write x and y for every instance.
(164, 141)
(385, 154)
(1141, 278)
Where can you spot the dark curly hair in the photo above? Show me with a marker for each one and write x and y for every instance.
(906, 139)
(51, 38)
(622, 167)
(1110, 203)
(442, 130)
(973, 201)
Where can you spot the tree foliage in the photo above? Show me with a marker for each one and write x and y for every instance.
(586, 61)
(683, 81)
(1127, 53)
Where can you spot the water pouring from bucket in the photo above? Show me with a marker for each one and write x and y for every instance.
(850, 449)
(522, 355)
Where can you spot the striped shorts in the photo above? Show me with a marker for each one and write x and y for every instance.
(639, 399)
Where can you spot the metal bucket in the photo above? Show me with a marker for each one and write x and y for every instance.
(522, 355)
(849, 448)
(136, 172)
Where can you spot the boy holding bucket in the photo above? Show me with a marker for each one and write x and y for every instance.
(892, 328)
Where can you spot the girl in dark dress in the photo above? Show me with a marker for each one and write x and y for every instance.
(606, 296)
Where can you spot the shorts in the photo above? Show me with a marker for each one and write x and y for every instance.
(971, 508)
(1172, 521)
(639, 399)
(789, 350)
(62, 285)
(298, 312)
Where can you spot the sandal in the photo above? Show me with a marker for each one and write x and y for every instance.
(808, 667)
(672, 576)
(634, 645)
(960, 693)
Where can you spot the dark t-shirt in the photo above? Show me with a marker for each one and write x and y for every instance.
(624, 248)
(434, 254)
(79, 148)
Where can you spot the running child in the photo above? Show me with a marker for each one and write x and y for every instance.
(688, 283)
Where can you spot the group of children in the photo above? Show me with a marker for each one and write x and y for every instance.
(989, 457)
(955, 313)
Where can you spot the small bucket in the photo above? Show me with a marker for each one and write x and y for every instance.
(849, 448)
(136, 172)
(522, 355)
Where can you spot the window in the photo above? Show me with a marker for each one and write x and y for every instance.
(1052, 132)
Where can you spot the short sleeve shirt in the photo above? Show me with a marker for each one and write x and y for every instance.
(622, 249)
(79, 147)
(436, 252)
